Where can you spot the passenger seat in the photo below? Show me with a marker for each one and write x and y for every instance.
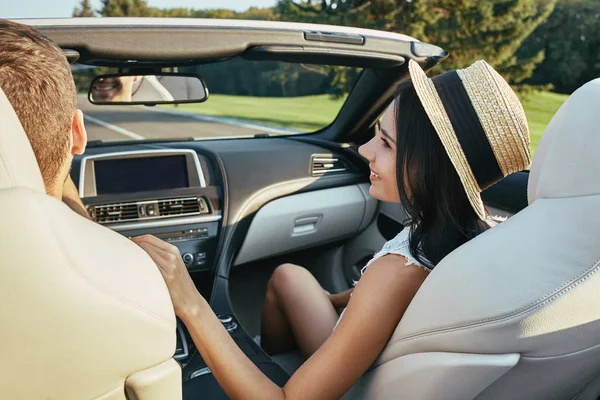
(514, 313)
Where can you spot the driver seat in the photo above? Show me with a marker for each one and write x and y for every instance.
(85, 312)
(515, 312)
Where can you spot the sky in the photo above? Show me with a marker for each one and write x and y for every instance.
(64, 8)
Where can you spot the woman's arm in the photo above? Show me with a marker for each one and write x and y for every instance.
(236, 374)
(377, 304)
(379, 300)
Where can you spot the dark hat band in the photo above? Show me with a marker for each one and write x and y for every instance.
(468, 129)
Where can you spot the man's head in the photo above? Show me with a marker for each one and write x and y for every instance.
(37, 80)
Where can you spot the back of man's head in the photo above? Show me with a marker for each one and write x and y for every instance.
(37, 80)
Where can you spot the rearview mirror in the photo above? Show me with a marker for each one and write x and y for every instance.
(167, 88)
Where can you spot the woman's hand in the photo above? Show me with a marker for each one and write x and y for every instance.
(184, 295)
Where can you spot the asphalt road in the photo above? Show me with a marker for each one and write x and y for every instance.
(115, 123)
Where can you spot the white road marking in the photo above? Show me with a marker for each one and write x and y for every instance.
(115, 128)
(228, 121)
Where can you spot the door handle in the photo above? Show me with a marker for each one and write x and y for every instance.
(304, 225)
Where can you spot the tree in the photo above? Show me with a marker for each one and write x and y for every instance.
(493, 30)
(265, 14)
(469, 29)
(571, 42)
(84, 10)
(125, 8)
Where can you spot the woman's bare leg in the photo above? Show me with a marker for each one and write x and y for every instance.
(297, 312)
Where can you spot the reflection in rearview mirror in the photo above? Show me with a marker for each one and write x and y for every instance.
(147, 89)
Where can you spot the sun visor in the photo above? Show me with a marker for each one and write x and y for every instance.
(324, 55)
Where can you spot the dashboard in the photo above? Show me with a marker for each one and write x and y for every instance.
(224, 203)
(202, 196)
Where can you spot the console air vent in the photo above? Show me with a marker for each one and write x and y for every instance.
(187, 206)
(110, 213)
(323, 164)
(143, 210)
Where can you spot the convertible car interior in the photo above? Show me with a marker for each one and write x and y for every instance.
(87, 315)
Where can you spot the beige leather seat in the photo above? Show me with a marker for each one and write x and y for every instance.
(85, 313)
(515, 313)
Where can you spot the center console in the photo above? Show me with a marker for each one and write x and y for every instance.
(159, 192)
(198, 381)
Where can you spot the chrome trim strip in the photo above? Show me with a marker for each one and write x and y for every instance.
(136, 203)
(122, 153)
(200, 372)
(148, 218)
(325, 171)
(326, 160)
(163, 223)
(184, 344)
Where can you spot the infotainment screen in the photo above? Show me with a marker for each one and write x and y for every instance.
(140, 174)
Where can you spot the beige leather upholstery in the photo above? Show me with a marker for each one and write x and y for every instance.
(524, 296)
(18, 167)
(85, 313)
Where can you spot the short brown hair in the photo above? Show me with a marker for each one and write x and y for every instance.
(37, 80)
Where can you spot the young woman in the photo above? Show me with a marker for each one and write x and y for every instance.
(440, 143)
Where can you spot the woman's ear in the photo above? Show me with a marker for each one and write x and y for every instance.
(78, 133)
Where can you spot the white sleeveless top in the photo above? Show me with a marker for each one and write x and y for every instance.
(399, 245)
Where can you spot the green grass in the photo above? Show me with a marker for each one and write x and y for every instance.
(306, 113)
(310, 113)
(540, 107)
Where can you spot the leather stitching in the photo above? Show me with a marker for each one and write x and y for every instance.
(561, 355)
(525, 309)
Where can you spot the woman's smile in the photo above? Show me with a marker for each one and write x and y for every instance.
(374, 176)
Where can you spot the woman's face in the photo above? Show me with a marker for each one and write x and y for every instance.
(381, 154)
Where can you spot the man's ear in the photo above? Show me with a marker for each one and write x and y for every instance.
(78, 133)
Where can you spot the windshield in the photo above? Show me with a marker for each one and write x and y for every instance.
(246, 98)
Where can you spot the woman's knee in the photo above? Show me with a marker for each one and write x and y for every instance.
(286, 277)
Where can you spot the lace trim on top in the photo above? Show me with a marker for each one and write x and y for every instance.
(398, 245)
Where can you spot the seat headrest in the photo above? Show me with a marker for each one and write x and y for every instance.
(566, 163)
(18, 166)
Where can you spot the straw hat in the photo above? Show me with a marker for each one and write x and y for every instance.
(480, 122)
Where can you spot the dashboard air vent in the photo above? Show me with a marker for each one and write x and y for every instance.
(323, 164)
(186, 206)
(143, 210)
(110, 213)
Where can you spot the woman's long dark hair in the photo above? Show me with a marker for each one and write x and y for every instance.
(439, 213)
